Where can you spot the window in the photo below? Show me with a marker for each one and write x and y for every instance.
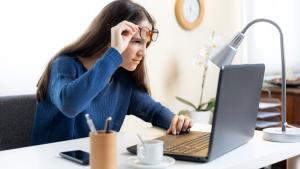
(263, 44)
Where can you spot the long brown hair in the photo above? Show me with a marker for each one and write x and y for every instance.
(95, 41)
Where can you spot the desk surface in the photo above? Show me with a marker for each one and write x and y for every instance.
(255, 154)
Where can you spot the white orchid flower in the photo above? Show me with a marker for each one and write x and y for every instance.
(207, 49)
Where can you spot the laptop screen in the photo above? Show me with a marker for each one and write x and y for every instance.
(236, 107)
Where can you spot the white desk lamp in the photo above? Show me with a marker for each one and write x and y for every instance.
(225, 55)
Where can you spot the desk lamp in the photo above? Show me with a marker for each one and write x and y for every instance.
(225, 55)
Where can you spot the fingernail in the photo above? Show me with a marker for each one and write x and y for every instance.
(174, 132)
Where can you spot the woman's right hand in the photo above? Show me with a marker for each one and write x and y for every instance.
(121, 35)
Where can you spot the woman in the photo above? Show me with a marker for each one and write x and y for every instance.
(101, 74)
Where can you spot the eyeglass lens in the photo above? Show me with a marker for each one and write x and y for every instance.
(147, 34)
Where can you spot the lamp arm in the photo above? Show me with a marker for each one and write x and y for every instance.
(283, 79)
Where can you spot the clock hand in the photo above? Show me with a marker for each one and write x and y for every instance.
(190, 12)
(194, 12)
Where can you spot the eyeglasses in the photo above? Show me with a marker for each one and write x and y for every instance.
(148, 35)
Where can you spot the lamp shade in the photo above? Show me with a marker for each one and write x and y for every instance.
(224, 55)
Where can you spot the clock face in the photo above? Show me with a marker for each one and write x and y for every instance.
(191, 10)
(189, 13)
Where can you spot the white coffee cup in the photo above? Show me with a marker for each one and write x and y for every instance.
(151, 152)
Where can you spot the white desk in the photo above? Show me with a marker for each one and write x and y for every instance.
(255, 154)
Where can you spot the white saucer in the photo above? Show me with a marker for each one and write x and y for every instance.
(166, 162)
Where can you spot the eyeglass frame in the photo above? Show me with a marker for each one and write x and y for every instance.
(153, 31)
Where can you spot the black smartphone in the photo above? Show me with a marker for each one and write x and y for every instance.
(77, 156)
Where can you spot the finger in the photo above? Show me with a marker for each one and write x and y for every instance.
(124, 30)
(180, 123)
(186, 124)
(169, 131)
(174, 124)
(191, 123)
(132, 25)
(129, 33)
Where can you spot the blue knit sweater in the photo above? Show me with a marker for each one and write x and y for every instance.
(104, 90)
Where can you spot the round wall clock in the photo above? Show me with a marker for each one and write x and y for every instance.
(189, 13)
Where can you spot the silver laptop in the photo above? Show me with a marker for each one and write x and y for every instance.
(234, 119)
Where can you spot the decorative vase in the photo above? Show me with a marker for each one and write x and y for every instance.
(203, 117)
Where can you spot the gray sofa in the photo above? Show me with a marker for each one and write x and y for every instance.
(16, 120)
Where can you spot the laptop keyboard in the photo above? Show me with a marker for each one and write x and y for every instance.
(192, 146)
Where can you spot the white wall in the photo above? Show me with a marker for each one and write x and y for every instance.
(32, 31)
(286, 15)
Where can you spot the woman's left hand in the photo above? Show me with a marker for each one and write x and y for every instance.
(180, 124)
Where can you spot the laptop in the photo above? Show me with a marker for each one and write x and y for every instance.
(234, 119)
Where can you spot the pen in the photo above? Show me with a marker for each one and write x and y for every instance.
(90, 123)
(107, 123)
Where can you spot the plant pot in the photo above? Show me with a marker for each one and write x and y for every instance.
(203, 117)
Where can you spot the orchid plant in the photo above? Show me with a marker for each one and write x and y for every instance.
(206, 50)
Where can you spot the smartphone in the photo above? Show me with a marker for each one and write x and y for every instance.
(78, 156)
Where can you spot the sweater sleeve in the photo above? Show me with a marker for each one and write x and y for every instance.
(72, 94)
(144, 107)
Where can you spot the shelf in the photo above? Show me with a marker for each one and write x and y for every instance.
(264, 124)
(292, 102)
(264, 105)
(264, 115)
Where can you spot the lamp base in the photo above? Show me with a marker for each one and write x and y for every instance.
(276, 134)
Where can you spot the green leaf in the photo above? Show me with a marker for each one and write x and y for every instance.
(202, 106)
(183, 112)
(210, 105)
(186, 102)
